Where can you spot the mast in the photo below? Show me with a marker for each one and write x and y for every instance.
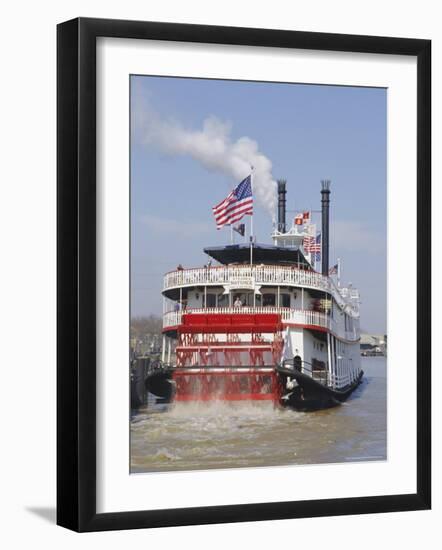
(251, 220)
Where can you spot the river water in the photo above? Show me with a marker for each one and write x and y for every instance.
(191, 436)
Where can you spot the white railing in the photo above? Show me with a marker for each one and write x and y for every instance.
(288, 315)
(343, 380)
(337, 381)
(351, 293)
(334, 380)
(255, 275)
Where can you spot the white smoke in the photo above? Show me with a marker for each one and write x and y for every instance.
(212, 146)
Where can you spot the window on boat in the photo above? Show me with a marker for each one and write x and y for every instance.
(247, 299)
(268, 300)
(210, 300)
(223, 300)
(285, 300)
(348, 322)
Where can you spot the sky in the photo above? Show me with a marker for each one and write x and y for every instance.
(189, 142)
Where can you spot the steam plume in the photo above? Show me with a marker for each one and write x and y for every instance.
(213, 147)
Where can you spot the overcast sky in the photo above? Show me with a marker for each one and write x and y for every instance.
(189, 138)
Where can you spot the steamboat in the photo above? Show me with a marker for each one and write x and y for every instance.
(259, 322)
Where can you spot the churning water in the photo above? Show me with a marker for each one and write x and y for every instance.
(199, 436)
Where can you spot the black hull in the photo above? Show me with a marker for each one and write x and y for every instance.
(160, 384)
(310, 394)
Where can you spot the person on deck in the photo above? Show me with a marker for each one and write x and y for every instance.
(297, 362)
(237, 302)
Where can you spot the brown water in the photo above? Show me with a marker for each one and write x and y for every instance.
(190, 436)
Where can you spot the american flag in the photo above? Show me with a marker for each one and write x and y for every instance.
(313, 245)
(333, 270)
(317, 247)
(307, 243)
(236, 205)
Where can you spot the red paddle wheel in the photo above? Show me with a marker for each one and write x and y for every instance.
(228, 357)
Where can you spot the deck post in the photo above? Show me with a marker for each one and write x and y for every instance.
(168, 351)
(330, 367)
(163, 349)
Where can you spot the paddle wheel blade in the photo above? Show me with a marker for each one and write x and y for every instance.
(208, 385)
(228, 357)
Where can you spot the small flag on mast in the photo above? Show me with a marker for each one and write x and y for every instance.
(302, 218)
(240, 228)
(333, 270)
(236, 205)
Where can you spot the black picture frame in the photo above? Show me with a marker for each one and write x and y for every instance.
(76, 273)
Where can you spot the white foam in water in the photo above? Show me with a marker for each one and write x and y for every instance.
(224, 408)
(232, 434)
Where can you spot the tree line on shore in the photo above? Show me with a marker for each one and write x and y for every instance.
(140, 326)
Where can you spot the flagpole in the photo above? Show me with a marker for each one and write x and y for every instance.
(339, 272)
(309, 232)
(251, 220)
(251, 239)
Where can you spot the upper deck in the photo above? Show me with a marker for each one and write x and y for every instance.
(235, 277)
(268, 254)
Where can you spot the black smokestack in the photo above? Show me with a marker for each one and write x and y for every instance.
(281, 205)
(325, 201)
